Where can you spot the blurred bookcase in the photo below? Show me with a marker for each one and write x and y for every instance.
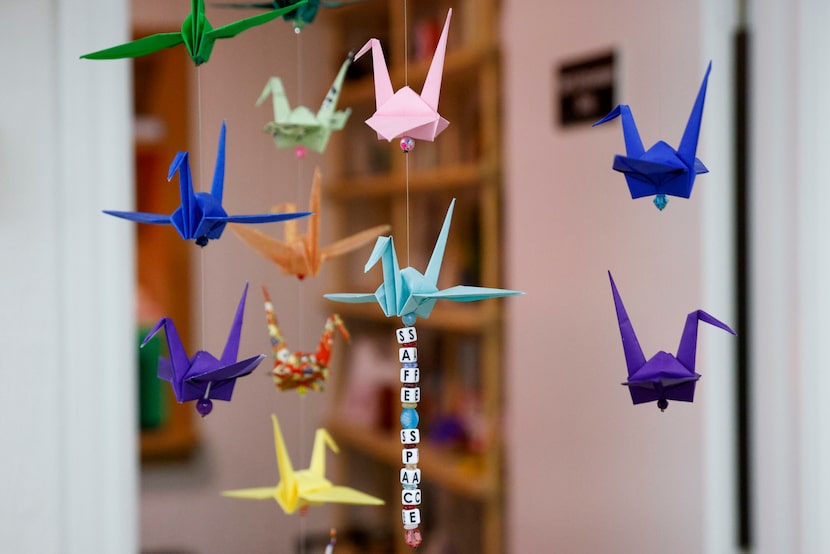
(460, 345)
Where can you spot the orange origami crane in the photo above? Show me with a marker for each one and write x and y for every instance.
(301, 255)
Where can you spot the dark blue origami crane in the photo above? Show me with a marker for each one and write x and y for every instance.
(664, 377)
(201, 216)
(661, 170)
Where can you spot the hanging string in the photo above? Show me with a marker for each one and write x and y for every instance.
(406, 82)
(201, 188)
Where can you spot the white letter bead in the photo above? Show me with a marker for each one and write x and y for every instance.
(411, 517)
(408, 354)
(406, 334)
(410, 436)
(411, 395)
(410, 476)
(410, 375)
(409, 456)
(411, 497)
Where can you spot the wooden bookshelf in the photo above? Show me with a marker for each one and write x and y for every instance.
(366, 185)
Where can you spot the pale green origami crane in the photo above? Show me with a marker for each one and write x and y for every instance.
(300, 126)
(197, 34)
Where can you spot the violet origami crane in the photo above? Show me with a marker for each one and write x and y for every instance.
(661, 170)
(664, 377)
(407, 292)
(200, 216)
(204, 377)
(406, 113)
(197, 34)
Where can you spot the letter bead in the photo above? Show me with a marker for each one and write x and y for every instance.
(411, 497)
(409, 456)
(411, 517)
(408, 354)
(406, 334)
(410, 375)
(411, 477)
(410, 436)
(410, 395)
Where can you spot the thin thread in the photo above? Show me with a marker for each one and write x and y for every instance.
(408, 263)
(405, 47)
(202, 278)
(300, 299)
(201, 185)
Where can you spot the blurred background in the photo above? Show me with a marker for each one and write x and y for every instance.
(531, 443)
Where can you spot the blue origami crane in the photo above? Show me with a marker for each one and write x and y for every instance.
(664, 377)
(204, 377)
(201, 216)
(661, 170)
(409, 293)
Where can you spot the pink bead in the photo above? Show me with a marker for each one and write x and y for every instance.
(300, 151)
(413, 537)
(407, 144)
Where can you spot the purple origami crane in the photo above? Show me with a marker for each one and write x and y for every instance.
(203, 377)
(664, 377)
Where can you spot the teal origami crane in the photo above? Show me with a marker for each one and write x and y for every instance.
(197, 34)
(409, 293)
(300, 17)
(300, 126)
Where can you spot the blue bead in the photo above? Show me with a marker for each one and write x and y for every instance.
(409, 319)
(660, 201)
(410, 364)
(409, 418)
(204, 406)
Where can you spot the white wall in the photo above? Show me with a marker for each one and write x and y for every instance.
(616, 477)
(67, 402)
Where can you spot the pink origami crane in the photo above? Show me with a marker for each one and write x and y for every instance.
(406, 113)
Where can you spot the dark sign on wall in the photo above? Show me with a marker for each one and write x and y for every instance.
(586, 89)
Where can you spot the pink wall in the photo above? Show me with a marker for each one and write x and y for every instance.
(613, 477)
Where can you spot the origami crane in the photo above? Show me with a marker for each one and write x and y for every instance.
(303, 488)
(301, 17)
(301, 370)
(197, 34)
(661, 170)
(664, 377)
(200, 216)
(405, 113)
(300, 127)
(409, 293)
(204, 377)
(298, 254)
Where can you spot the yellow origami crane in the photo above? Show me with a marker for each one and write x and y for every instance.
(307, 487)
(298, 254)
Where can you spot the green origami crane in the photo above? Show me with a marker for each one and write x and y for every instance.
(300, 126)
(197, 35)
